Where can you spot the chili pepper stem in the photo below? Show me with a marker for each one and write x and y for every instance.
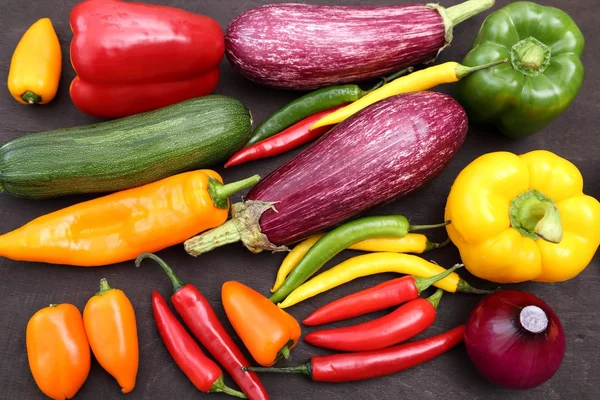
(462, 71)
(423, 283)
(461, 12)
(413, 228)
(31, 97)
(304, 369)
(104, 287)
(435, 298)
(464, 287)
(433, 245)
(175, 281)
(387, 79)
(220, 193)
(220, 387)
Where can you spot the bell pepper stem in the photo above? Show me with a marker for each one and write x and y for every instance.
(423, 284)
(461, 12)
(536, 216)
(175, 281)
(220, 387)
(31, 98)
(304, 369)
(435, 298)
(220, 193)
(462, 71)
(530, 56)
(104, 287)
(413, 228)
(433, 245)
(464, 287)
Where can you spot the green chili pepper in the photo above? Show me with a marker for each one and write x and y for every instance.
(544, 76)
(340, 238)
(312, 103)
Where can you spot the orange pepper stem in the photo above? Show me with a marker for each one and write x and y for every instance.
(103, 287)
(285, 350)
(220, 193)
(175, 281)
(31, 97)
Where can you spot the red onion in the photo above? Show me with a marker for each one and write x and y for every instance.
(515, 339)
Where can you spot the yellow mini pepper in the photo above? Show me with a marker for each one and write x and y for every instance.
(520, 218)
(36, 65)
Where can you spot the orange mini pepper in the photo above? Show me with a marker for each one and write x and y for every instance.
(268, 332)
(119, 226)
(58, 350)
(36, 65)
(111, 329)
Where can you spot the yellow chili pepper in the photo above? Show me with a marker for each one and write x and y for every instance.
(36, 65)
(520, 218)
(416, 82)
(411, 243)
(376, 263)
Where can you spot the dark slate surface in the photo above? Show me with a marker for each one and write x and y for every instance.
(27, 287)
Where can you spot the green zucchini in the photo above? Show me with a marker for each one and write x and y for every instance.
(127, 152)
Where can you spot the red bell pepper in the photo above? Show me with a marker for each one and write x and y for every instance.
(135, 57)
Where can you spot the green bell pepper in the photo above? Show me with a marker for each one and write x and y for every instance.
(545, 73)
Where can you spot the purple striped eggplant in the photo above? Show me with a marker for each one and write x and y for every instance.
(383, 152)
(303, 47)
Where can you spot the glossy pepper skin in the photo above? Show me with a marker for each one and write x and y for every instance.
(120, 226)
(198, 315)
(203, 372)
(520, 218)
(110, 325)
(385, 295)
(268, 332)
(403, 323)
(134, 57)
(349, 367)
(36, 65)
(543, 78)
(58, 350)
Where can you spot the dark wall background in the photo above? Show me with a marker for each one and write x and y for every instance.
(26, 287)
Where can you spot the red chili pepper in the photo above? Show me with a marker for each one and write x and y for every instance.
(132, 57)
(204, 373)
(288, 139)
(348, 367)
(200, 318)
(385, 295)
(405, 322)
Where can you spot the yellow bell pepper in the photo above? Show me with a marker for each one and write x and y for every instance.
(36, 65)
(520, 218)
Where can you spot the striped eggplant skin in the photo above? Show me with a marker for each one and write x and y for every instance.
(380, 154)
(304, 47)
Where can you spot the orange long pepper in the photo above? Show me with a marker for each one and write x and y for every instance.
(58, 350)
(268, 332)
(109, 321)
(119, 226)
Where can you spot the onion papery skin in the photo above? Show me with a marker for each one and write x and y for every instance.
(503, 351)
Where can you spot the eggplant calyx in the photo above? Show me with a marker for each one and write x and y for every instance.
(243, 226)
(454, 15)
